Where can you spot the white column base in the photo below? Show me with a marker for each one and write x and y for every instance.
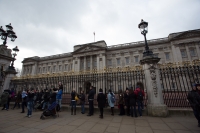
(157, 110)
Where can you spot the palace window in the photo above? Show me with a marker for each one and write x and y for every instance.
(49, 68)
(110, 62)
(95, 63)
(88, 64)
(43, 69)
(127, 61)
(136, 58)
(118, 61)
(183, 53)
(54, 68)
(167, 56)
(192, 52)
(66, 65)
(60, 68)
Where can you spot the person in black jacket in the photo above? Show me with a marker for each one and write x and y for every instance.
(29, 101)
(82, 102)
(73, 102)
(194, 100)
(46, 99)
(132, 101)
(90, 100)
(126, 101)
(101, 99)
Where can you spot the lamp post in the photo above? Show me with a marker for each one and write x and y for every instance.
(143, 26)
(7, 33)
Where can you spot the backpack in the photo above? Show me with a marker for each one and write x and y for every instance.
(58, 107)
(112, 98)
(140, 96)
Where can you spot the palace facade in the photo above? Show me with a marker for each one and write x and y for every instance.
(177, 47)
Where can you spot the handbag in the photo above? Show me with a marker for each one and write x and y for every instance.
(76, 98)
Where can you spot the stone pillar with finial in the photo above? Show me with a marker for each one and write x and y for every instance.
(156, 106)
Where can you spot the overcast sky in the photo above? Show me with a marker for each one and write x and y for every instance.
(48, 27)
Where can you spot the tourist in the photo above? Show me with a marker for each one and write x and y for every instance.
(46, 99)
(18, 99)
(82, 102)
(140, 94)
(198, 88)
(194, 100)
(126, 102)
(24, 96)
(30, 101)
(121, 103)
(90, 100)
(73, 102)
(59, 94)
(101, 99)
(132, 101)
(111, 102)
(52, 97)
(4, 100)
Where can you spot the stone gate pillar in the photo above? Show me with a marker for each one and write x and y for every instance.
(156, 106)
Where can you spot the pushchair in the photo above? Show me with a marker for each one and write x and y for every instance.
(51, 111)
(38, 105)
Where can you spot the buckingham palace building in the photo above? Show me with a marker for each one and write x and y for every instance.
(111, 67)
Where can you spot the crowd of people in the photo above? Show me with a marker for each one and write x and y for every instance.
(32, 99)
(127, 100)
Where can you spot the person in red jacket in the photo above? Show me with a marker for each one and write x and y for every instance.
(140, 94)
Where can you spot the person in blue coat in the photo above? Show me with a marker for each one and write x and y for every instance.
(59, 94)
(110, 103)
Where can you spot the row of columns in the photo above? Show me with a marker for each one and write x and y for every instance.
(100, 64)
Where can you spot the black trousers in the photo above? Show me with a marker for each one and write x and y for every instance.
(101, 111)
(121, 108)
(91, 107)
(128, 110)
(23, 104)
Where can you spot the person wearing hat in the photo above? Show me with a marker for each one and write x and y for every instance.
(101, 99)
(194, 100)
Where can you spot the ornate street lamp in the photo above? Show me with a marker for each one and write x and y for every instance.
(11, 68)
(143, 26)
(16, 50)
(8, 33)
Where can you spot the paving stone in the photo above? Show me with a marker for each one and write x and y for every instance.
(142, 123)
(86, 126)
(98, 128)
(162, 131)
(143, 130)
(114, 124)
(182, 131)
(127, 129)
(160, 126)
(176, 126)
(112, 129)
(13, 122)
(65, 129)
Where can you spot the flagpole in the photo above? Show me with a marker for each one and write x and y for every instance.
(94, 36)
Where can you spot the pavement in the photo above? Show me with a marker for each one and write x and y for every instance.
(13, 121)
